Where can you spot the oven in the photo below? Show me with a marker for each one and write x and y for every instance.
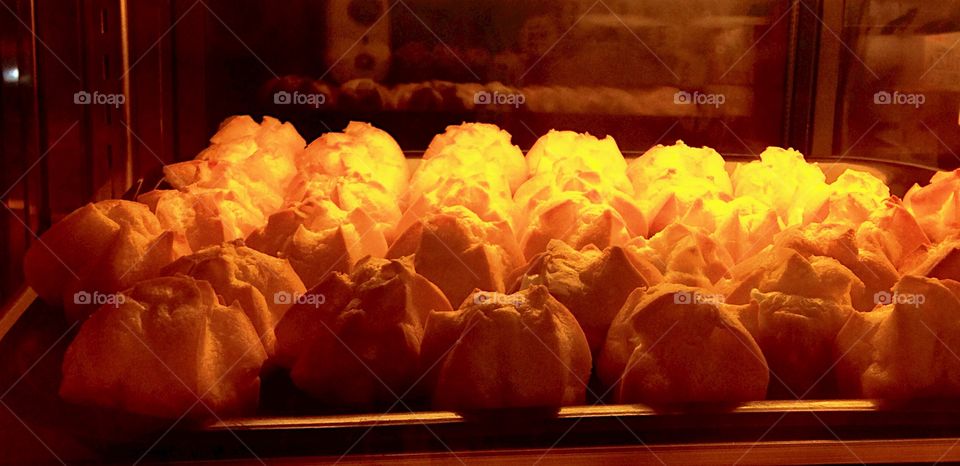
(101, 97)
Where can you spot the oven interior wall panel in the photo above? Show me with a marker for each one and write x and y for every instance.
(149, 68)
(65, 116)
(18, 146)
(905, 52)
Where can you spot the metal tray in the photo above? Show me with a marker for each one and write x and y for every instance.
(34, 336)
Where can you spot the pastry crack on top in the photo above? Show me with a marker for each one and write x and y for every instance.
(482, 277)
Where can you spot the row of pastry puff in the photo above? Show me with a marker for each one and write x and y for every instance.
(191, 341)
(460, 218)
(854, 273)
(892, 339)
(578, 192)
(175, 268)
(342, 204)
(743, 256)
(395, 315)
(232, 186)
(224, 194)
(390, 331)
(389, 336)
(478, 210)
(855, 297)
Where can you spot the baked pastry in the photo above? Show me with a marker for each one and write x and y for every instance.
(418, 97)
(545, 187)
(839, 242)
(263, 152)
(257, 161)
(893, 231)
(852, 199)
(675, 344)
(361, 152)
(906, 348)
(505, 351)
(567, 155)
(350, 195)
(97, 249)
(471, 165)
(800, 305)
(168, 344)
(685, 255)
(440, 171)
(459, 252)
(937, 205)
(742, 226)
(478, 148)
(668, 179)
(205, 217)
(591, 283)
(358, 343)
(941, 260)
(783, 180)
(319, 238)
(264, 286)
(363, 95)
(575, 219)
(784, 270)
(578, 192)
(797, 336)
(480, 195)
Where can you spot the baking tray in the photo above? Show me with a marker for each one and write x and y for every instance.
(34, 337)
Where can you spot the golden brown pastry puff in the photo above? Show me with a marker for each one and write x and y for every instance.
(354, 340)
(685, 255)
(319, 238)
(479, 147)
(852, 198)
(941, 260)
(459, 252)
(361, 153)
(258, 159)
(908, 347)
(668, 179)
(99, 248)
(506, 351)
(205, 217)
(799, 304)
(839, 242)
(783, 180)
(937, 205)
(566, 155)
(577, 220)
(742, 226)
(168, 344)
(894, 232)
(263, 285)
(676, 344)
(591, 283)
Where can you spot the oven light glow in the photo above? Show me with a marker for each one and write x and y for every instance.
(11, 74)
